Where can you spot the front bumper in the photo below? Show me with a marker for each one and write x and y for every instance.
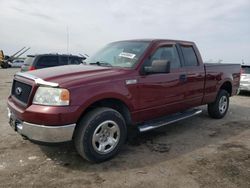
(42, 133)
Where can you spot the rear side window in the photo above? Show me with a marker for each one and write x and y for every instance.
(189, 56)
(75, 60)
(168, 53)
(64, 60)
(47, 61)
(67, 60)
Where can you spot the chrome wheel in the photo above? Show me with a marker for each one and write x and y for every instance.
(223, 104)
(106, 136)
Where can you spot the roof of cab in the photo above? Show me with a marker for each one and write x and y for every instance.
(159, 40)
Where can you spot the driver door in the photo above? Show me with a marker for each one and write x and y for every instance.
(161, 93)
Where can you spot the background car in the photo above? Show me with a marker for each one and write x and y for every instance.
(33, 62)
(245, 78)
(16, 63)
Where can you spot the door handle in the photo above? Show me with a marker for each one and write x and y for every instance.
(183, 78)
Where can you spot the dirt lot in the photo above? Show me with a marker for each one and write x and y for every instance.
(198, 152)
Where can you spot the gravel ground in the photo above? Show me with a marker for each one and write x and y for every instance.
(198, 152)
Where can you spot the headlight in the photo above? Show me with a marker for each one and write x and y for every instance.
(51, 96)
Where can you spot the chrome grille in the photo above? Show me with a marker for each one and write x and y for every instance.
(21, 91)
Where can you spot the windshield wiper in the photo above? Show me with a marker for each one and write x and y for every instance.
(102, 63)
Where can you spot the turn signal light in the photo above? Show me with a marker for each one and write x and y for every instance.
(64, 96)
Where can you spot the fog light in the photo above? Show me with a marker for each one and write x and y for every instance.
(19, 126)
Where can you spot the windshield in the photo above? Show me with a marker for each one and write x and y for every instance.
(119, 54)
(245, 69)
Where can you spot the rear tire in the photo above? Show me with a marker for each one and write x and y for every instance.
(100, 134)
(218, 109)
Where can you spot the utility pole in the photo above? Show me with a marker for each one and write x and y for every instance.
(67, 39)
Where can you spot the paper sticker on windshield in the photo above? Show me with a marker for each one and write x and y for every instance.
(127, 55)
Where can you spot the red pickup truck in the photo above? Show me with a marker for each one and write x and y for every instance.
(135, 83)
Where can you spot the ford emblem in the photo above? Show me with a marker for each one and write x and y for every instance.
(18, 91)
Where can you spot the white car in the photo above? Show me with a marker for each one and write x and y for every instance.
(16, 63)
(245, 78)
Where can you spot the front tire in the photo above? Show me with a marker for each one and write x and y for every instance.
(100, 134)
(218, 109)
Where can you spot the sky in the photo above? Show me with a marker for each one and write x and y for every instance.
(220, 28)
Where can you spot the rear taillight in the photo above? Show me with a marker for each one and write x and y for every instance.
(32, 68)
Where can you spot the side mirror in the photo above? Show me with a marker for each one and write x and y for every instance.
(158, 66)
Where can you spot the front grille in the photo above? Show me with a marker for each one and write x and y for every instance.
(21, 91)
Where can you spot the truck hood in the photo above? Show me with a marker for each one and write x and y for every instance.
(71, 75)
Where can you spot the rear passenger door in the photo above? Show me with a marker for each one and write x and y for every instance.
(194, 76)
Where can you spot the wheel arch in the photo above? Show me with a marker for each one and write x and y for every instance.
(111, 102)
(227, 85)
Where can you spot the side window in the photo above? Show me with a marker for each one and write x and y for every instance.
(64, 60)
(75, 61)
(47, 61)
(68, 60)
(166, 53)
(189, 56)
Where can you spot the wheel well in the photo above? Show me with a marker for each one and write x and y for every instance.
(228, 87)
(115, 104)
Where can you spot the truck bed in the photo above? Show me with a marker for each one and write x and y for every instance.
(215, 74)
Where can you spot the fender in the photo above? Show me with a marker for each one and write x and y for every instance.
(109, 95)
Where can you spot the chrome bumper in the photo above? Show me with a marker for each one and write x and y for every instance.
(42, 133)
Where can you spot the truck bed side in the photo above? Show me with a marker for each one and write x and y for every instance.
(226, 76)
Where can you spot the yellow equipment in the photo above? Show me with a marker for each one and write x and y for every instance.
(4, 60)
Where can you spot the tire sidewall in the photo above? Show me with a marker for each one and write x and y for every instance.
(221, 94)
(87, 135)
